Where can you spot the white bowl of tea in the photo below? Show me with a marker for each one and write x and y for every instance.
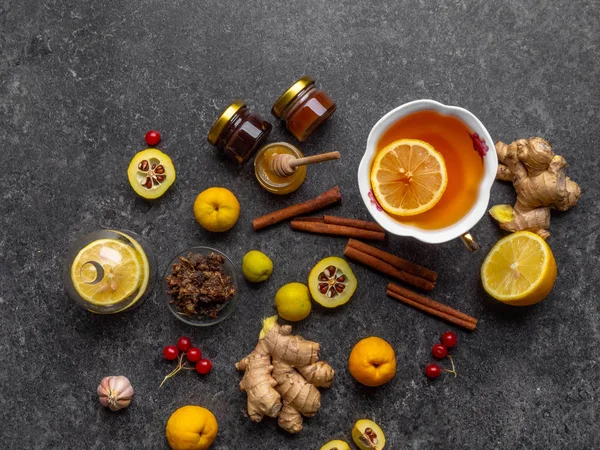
(470, 164)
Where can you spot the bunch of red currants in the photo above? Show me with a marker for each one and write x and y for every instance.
(191, 353)
(440, 351)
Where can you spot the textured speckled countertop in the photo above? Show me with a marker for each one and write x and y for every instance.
(80, 84)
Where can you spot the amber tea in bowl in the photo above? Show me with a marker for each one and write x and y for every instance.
(470, 162)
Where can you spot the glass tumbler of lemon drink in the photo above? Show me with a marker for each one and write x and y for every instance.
(109, 271)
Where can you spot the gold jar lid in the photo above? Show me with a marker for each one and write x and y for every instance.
(288, 96)
(223, 120)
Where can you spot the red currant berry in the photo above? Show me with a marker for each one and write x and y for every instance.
(184, 343)
(449, 339)
(433, 371)
(170, 352)
(203, 366)
(439, 351)
(193, 354)
(152, 137)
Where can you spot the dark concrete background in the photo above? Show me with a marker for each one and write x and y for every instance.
(80, 84)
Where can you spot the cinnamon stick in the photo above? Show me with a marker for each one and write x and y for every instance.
(355, 223)
(388, 269)
(330, 197)
(399, 290)
(309, 219)
(337, 230)
(394, 260)
(434, 312)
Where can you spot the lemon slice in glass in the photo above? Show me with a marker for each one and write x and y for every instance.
(106, 272)
(145, 269)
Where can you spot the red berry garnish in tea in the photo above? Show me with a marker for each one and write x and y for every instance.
(193, 354)
(170, 352)
(439, 351)
(203, 366)
(449, 339)
(433, 371)
(152, 137)
(479, 144)
(184, 343)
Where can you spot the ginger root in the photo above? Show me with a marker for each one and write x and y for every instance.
(538, 176)
(282, 375)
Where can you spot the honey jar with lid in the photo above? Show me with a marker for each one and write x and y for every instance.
(303, 108)
(238, 132)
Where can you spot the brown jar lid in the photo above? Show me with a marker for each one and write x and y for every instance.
(223, 120)
(288, 96)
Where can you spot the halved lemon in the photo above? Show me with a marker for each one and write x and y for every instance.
(106, 272)
(408, 177)
(519, 270)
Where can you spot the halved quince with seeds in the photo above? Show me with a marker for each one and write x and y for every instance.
(336, 445)
(367, 435)
(151, 173)
(332, 282)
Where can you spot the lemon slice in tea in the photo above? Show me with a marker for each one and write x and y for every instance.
(106, 272)
(408, 177)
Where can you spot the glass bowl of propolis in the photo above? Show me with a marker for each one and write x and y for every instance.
(109, 271)
(200, 286)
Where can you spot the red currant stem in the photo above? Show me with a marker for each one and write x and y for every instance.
(179, 367)
(453, 368)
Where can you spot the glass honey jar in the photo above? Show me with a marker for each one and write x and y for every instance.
(267, 176)
(303, 108)
(238, 132)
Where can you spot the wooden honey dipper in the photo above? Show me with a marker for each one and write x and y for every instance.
(285, 165)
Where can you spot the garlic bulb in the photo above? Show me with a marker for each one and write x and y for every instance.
(115, 392)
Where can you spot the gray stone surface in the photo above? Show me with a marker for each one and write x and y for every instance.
(80, 84)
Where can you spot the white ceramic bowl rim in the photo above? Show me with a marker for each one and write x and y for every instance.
(479, 208)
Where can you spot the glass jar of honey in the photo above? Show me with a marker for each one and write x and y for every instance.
(268, 179)
(303, 108)
(238, 132)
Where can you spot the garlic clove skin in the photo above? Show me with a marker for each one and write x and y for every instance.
(115, 392)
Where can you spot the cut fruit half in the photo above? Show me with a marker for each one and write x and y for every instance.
(106, 272)
(332, 282)
(519, 270)
(367, 435)
(151, 173)
(336, 445)
(408, 177)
